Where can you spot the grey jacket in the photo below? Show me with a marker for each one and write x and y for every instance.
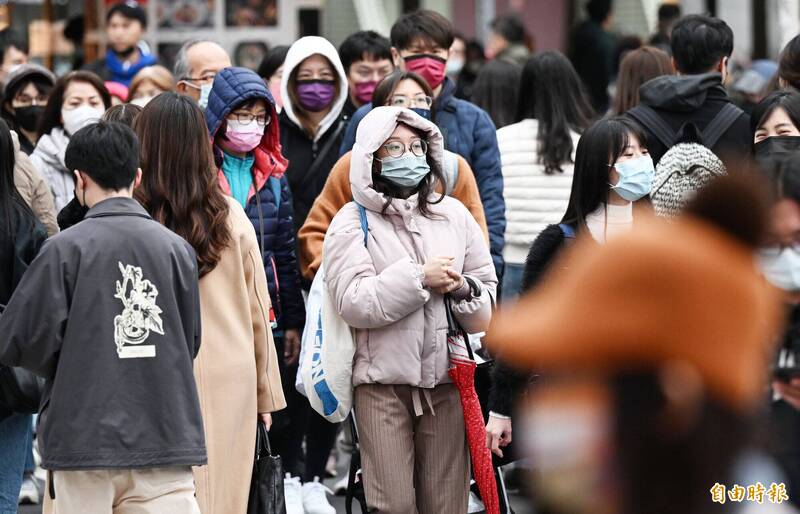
(109, 314)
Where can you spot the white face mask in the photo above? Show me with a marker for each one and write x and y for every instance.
(781, 267)
(76, 119)
(454, 66)
(205, 90)
(142, 100)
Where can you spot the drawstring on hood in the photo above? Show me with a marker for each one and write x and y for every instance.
(373, 131)
(681, 93)
(302, 49)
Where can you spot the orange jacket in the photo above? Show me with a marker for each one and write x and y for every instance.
(337, 193)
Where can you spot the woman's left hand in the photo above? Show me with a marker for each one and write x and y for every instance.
(456, 282)
(266, 418)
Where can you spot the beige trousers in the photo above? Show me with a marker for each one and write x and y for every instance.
(125, 491)
(414, 452)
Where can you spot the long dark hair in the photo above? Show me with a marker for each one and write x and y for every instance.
(179, 181)
(387, 86)
(788, 100)
(600, 146)
(789, 67)
(12, 204)
(496, 91)
(51, 118)
(552, 93)
(424, 190)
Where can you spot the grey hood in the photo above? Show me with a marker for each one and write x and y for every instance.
(681, 93)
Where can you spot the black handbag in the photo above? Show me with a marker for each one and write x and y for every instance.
(20, 390)
(266, 486)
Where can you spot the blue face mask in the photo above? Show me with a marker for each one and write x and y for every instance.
(425, 113)
(635, 178)
(408, 170)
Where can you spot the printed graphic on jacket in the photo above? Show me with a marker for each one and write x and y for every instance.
(140, 314)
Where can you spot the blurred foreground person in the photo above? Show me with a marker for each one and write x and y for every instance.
(115, 343)
(237, 369)
(655, 356)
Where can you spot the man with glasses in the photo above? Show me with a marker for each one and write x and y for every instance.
(197, 63)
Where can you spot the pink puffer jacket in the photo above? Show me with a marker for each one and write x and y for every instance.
(401, 326)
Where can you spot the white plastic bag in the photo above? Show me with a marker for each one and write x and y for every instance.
(325, 373)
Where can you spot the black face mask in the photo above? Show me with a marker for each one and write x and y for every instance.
(28, 117)
(777, 145)
(125, 53)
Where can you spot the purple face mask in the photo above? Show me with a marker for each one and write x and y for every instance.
(315, 95)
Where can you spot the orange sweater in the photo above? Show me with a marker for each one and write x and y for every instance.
(337, 193)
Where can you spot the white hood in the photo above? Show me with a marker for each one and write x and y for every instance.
(300, 51)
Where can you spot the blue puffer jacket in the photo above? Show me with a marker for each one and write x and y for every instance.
(469, 132)
(274, 227)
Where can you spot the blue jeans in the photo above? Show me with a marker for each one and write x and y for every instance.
(15, 434)
(512, 282)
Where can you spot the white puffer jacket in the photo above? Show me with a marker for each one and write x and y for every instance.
(533, 200)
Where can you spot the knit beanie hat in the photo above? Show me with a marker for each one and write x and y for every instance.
(665, 292)
(681, 172)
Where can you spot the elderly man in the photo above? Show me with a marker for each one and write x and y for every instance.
(196, 64)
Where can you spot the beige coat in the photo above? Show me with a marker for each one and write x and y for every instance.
(33, 189)
(236, 369)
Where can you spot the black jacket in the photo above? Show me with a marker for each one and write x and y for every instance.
(109, 314)
(592, 55)
(696, 99)
(21, 236)
(507, 383)
(301, 152)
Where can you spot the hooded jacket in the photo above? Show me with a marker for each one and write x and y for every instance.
(48, 157)
(270, 216)
(681, 99)
(401, 326)
(115, 343)
(300, 148)
(469, 132)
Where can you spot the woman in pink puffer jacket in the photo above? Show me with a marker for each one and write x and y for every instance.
(420, 246)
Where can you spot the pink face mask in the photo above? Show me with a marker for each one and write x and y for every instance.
(364, 91)
(431, 67)
(243, 137)
(275, 91)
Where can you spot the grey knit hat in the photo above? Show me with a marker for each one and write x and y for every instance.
(681, 172)
(27, 71)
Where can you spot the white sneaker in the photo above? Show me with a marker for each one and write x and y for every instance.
(314, 499)
(475, 505)
(293, 495)
(29, 493)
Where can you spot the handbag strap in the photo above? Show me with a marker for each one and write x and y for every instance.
(262, 440)
(454, 327)
(317, 163)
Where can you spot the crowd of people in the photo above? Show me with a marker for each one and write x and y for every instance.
(629, 218)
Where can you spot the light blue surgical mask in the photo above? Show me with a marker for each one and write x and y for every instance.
(408, 170)
(205, 90)
(781, 267)
(635, 178)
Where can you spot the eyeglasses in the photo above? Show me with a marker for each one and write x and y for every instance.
(421, 102)
(245, 118)
(205, 79)
(26, 101)
(417, 147)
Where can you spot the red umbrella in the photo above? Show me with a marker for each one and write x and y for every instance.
(462, 371)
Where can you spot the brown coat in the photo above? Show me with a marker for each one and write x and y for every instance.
(236, 369)
(34, 190)
(337, 193)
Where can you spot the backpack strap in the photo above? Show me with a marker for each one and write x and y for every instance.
(450, 172)
(650, 119)
(720, 124)
(567, 230)
(275, 185)
(362, 215)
